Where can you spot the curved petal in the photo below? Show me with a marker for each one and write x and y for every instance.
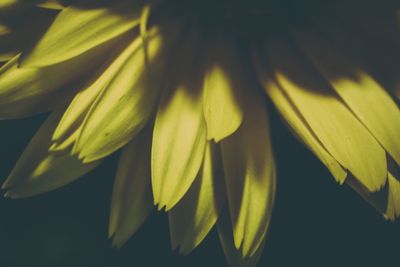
(250, 176)
(222, 91)
(233, 256)
(340, 132)
(128, 99)
(363, 95)
(179, 136)
(295, 121)
(197, 212)
(26, 89)
(132, 199)
(76, 30)
(38, 170)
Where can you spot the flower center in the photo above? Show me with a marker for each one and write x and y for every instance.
(244, 17)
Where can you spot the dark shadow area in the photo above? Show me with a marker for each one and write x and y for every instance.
(315, 222)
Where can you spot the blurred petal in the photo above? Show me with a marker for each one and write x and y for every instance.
(132, 200)
(26, 91)
(197, 212)
(393, 206)
(51, 4)
(234, 257)
(250, 176)
(38, 170)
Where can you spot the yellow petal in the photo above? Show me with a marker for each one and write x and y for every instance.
(179, 135)
(250, 175)
(132, 200)
(128, 99)
(222, 91)
(393, 205)
(80, 105)
(343, 136)
(38, 170)
(386, 201)
(25, 90)
(197, 212)
(51, 4)
(77, 30)
(234, 256)
(295, 121)
(7, 3)
(4, 29)
(362, 94)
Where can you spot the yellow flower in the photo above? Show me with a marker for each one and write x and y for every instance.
(178, 86)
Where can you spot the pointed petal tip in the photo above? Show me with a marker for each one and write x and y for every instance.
(12, 195)
(53, 147)
(389, 218)
(6, 184)
(184, 251)
(215, 139)
(160, 207)
(111, 231)
(86, 156)
(163, 205)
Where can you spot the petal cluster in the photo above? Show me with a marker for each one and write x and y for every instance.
(187, 112)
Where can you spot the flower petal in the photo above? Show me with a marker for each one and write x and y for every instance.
(222, 85)
(295, 121)
(234, 257)
(132, 200)
(197, 212)
(250, 175)
(128, 99)
(393, 205)
(362, 94)
(343, 136)
(71, 122)
(25, 91)
(179, 136)
(51, 4)
(38, 170)
(77, 30)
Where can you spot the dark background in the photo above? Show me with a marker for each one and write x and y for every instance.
(315, 222)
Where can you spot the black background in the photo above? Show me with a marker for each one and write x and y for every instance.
(315, 222)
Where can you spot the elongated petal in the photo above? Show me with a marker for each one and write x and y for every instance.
(132, 200)
(393, 205)
(343, 136)
(71, 122)
(197, 212)
(222, 91)
(234, 256)
(51, 4)
(127, 101)
(179, 135)
(4, 29)
(77, 30)
(25, 90)
(363, 95)
(5, 4)
(38, 170)
(386, 201)
(295, 121)
(250, 176)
